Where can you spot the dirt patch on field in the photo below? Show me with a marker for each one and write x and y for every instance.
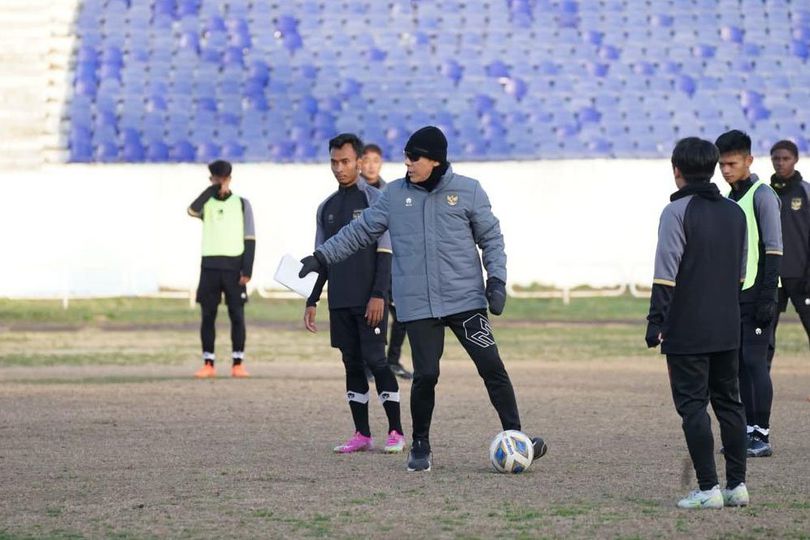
(145, 451)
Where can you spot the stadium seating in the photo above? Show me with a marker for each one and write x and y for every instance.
(259, 80)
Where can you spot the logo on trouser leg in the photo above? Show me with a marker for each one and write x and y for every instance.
(477, 330)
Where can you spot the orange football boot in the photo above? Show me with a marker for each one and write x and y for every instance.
(206, 372)
(238, 371)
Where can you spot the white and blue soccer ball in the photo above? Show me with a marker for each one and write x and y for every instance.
(511, 451)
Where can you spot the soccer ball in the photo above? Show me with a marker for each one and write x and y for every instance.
(511, 452)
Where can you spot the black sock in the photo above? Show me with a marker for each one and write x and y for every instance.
(360, 417)
(209, 362)
(392, 412)
(760, 435)
(237, 361)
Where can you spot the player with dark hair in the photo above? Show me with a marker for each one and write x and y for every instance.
(437, 221)
(695, 317)
(370, 167)
(358, 294)
(758, 297)
(794, 193)
(228, 250)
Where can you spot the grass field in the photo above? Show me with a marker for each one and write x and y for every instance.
(103, 434)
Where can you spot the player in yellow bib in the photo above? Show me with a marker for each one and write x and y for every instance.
(758, 294)
(228, 250)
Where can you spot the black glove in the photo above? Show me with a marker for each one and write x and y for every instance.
(765, 310)
(652, 339)
(496, 295)
(312, 263)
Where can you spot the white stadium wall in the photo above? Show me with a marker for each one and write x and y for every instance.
(108, 230)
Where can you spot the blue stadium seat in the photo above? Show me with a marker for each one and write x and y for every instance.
(182, 151)
(256, 69)
(157, 151)
(106, 152)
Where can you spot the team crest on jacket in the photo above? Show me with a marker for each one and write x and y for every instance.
(452, 199)
(330, 218)
(408, 202)
(356, 213)
(796, 203)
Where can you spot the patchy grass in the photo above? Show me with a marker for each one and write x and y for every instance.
(156, 311)
(128, 445)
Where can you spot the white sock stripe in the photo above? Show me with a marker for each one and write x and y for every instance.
(389, 396)
(762, 430)
(209, 356)
(239, 355)
(749, 429)
(358, 397)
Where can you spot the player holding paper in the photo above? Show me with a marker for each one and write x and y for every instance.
(358, 295)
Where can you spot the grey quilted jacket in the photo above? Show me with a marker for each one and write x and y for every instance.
(435, 238)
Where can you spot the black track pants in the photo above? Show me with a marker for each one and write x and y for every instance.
(793, 290)
(756, 389)
(426, 337)
(397, 338)
(697, 380)
(213, 283)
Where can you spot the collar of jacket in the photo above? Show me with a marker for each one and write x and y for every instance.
(739, 189)
(355, 186)
(378, 185)
(779, 184)
(707, 190)
(438, 177)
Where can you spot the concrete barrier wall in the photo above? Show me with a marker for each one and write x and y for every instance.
(97, 230)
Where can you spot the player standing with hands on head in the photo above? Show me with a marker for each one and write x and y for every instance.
(794, 193)
(358, 295)
(758, 297)
(694, 315)
(437, 220)
(228, 250)
(370, 167)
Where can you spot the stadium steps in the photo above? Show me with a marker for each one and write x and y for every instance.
(27, 85)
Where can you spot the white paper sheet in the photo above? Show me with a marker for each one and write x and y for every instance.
(287, 275)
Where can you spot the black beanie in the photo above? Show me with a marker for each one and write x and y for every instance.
(429, 142)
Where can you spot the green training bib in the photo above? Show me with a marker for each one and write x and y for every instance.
(223, 227)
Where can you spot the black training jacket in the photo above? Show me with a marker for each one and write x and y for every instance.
(700, 263)
(795, 196)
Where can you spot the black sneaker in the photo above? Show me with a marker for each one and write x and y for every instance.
(419, 458)
(400, 371)
(540, 447)
(759, 448)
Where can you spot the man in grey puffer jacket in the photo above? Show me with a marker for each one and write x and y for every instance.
(437, 221)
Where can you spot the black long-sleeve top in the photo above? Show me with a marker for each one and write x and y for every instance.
(365, 274)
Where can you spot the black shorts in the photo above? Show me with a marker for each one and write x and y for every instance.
(348, 329)
(214, 282)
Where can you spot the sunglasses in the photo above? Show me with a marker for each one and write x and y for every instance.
(412, 156)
